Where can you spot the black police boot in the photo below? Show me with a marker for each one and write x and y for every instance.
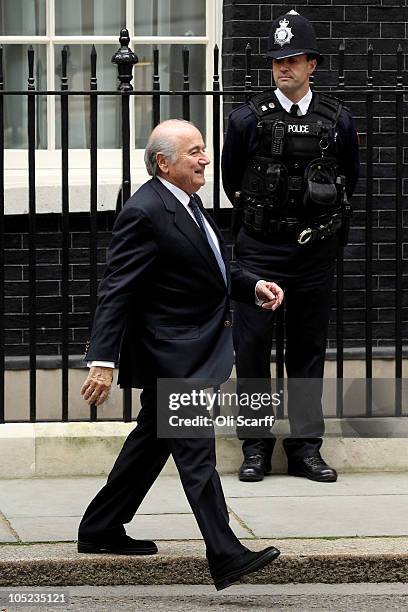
(257, 459)
(254, 468)
(313, 467)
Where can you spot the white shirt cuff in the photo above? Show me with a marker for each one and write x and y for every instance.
(101, 364)
(258, 302)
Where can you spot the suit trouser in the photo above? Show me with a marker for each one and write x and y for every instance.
(139, 463)
(306, 275)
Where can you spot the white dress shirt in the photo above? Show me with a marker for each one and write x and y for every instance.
(287, 104)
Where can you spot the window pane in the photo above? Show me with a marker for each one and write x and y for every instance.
(170, 18)
(15, 107)
(171, 78)
(22, 17)
(79, 74)
(83, 17)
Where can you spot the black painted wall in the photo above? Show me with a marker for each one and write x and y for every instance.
(48, 271)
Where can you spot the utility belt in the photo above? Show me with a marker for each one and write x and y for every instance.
(302, 231)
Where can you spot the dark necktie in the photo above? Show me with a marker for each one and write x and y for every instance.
(198, 215)
(294, 110)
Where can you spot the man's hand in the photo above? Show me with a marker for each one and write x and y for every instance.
(97, 385)
(270, 293)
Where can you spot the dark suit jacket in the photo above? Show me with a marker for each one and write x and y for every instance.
(163, 306)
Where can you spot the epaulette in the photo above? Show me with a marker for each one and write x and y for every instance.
(264, 103)
(328, 106)
(334, 99)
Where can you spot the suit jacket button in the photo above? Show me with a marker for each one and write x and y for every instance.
(227, 323)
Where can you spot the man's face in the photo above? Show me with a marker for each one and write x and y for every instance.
(187, 172)
(292, 74)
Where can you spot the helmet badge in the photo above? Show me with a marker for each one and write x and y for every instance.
(283, 34)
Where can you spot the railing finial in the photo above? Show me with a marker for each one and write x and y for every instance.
(125, 59)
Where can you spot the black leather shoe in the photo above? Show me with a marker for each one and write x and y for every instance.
(314, 468)
(254, 468)
(123, 546)
(246, 563)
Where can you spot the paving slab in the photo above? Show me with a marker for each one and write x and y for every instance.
(166, 495)
(315, 517)
(174, 527)
(280, 506)
(45, 528)
(70, 496)
(277, 485)
(47, 496)
(6, 535)
(143, 526)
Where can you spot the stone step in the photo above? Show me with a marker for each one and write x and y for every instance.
(301, 561)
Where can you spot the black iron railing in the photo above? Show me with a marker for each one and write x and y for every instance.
(366, 94)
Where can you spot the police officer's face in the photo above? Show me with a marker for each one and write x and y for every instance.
(187, 172)
(292, 75)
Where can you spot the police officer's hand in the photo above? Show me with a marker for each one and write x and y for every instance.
(270, 294)
(97, 385)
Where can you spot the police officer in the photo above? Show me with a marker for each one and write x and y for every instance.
(290, 165)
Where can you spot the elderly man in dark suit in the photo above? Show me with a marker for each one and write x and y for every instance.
(163, 312)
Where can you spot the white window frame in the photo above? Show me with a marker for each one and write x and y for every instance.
(109, 160)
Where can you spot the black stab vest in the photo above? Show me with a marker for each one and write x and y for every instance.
(294, 172)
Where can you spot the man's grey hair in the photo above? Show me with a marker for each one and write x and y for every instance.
(163, 143)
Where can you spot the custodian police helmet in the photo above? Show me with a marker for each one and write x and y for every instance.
(290, 35)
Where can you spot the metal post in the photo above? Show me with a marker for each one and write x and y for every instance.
(341, 65)
(216, 161)
(186, 84)
(2, 286)
(369, 237)
(125, 59)
(93, 238)
(399, 114)
(216, 135)
(156, 87)
(32, 272)
(280, 358)
(65, 233)
(340, 289)
(248, 62)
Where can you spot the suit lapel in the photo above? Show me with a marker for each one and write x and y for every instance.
(189, 228)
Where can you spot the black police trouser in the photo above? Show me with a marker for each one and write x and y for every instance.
(139, 463)
(306, 274)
